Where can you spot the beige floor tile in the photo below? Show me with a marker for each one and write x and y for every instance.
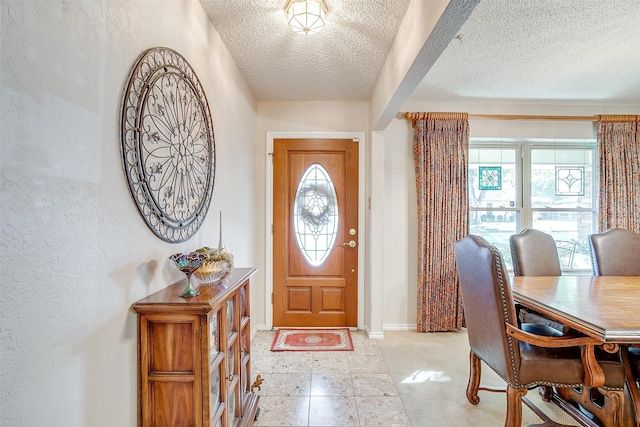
(289, 385)
(261, 348)
(333, 411)
(331, 385)
(283, 411)
(335, 362)
(362, 345)
(373, 385)
(367, 364)
(381, 411)
(263, 364)
(292, 363)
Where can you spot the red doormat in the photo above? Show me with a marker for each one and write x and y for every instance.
(312, 340)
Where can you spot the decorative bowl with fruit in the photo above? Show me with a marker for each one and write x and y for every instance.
(217, 265)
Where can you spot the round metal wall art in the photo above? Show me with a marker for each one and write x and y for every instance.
(168, 146)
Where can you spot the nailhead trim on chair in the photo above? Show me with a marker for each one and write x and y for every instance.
(498, 263)
(514, 259)
(593, 257)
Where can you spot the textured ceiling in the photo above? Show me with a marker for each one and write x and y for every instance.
(341, 62)
(573, 51)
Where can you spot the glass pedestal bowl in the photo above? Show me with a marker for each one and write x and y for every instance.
(188, 263)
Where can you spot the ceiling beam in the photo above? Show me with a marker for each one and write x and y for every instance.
(419, 43)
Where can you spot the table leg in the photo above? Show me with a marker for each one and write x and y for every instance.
(632, 385)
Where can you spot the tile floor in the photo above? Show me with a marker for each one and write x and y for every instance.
(333, 388)
(406, 379)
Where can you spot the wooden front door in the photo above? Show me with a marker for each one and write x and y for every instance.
(315, 233)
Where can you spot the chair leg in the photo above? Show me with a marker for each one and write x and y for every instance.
(474, 378)
(547, 393)
(514, 406)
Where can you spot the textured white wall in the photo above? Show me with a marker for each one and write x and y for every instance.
(75, 252)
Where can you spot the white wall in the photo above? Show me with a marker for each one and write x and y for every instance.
(75, 252)
(400, 206)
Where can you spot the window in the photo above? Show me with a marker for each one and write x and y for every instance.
(546, 185)
(315, 215)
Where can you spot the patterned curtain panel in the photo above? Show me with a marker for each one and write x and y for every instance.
(441, 148)
(619, 147)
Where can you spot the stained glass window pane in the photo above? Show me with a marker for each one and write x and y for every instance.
(490, 178)
(562, 178)
(315, 215)
(569, 180)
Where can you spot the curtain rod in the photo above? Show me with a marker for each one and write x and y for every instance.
(527, 117)
(412, 116)
(463, 116)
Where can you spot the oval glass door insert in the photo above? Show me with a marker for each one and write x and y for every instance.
(315, 215)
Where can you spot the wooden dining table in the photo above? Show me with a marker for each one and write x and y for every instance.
(603, 307)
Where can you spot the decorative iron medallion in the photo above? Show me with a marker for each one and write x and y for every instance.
(168, 145)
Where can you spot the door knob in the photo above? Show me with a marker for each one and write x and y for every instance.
(351, 244)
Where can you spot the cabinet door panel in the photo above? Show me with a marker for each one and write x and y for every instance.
(172, 404)
(166, 343)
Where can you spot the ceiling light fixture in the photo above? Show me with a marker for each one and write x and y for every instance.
(306, 16)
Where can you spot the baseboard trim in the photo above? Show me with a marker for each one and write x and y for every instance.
(375, 335)
(399, 327)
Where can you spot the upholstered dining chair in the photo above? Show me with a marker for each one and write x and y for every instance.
(534, 253)
(522, 359)
(615, 252)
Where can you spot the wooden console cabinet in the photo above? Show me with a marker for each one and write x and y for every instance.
(194, 356)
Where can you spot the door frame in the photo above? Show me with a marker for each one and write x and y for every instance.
(362, 235)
